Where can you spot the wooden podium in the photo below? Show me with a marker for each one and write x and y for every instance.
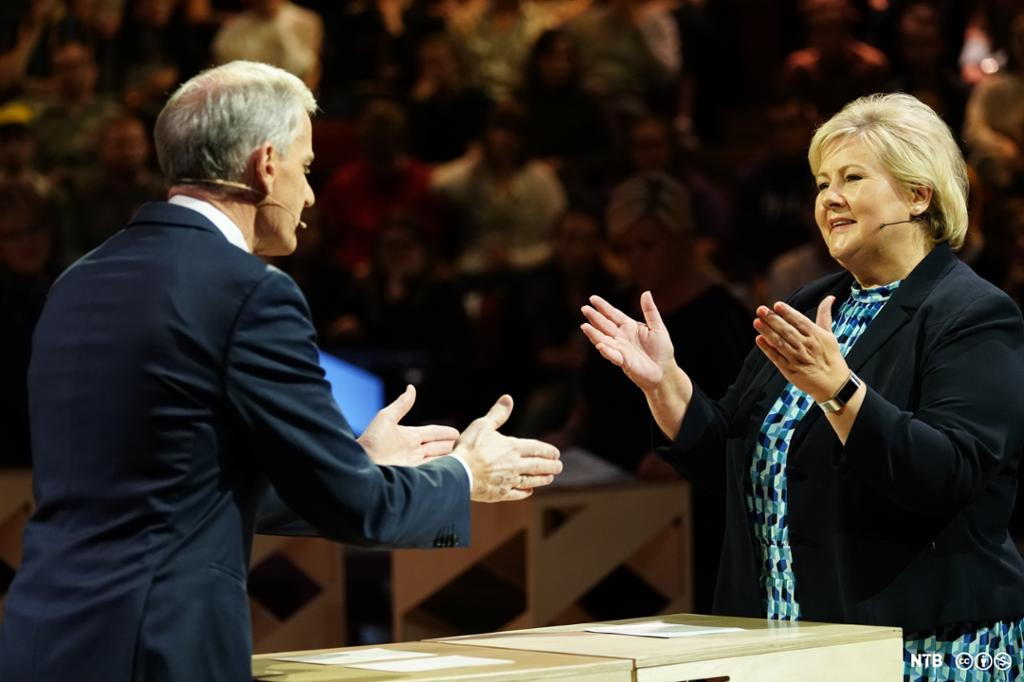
(764, 651)
(537, 558)
(307, 571)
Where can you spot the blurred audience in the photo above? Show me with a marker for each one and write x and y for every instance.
(445, 113)
(994, 124)
(505, 203)
(835, 67)
(69, 121)
(565, 124)
(123, 178)
(383, 181)
(27, 269)
(277, 32)
(651, 226)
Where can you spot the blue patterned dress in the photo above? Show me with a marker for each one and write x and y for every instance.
(767, 508)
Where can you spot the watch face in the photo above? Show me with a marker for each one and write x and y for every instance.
(848, 389)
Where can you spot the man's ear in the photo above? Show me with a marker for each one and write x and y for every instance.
(263, 164)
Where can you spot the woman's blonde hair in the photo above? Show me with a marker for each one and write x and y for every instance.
(917, 149)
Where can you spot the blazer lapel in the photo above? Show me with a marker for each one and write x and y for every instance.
(893, 315)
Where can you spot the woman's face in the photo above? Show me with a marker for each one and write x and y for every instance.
(856, 195)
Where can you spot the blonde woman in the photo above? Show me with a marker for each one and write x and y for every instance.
(869, 448)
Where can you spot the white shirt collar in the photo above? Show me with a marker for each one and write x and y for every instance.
(221, 221)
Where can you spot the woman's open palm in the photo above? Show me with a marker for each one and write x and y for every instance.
(642, 349)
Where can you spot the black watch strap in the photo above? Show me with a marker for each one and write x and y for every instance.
(842, 396)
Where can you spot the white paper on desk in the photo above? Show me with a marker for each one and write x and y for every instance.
(435, 663)
(659, 628)
(347, 657)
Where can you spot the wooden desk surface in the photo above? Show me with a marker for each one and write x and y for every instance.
(525, 666)
(760, 636)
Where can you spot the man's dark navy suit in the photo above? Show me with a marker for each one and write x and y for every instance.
(174, 377)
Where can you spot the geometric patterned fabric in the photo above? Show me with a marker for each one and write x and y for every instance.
(767, 503)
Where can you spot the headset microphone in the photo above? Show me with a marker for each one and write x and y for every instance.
(912, 219)
(267, 201)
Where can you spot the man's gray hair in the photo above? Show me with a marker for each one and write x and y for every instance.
(214, 121)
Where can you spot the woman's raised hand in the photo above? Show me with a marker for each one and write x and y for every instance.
(642, 349)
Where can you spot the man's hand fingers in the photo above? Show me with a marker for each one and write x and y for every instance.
(432, 432)
(794, 317)
(401, 405)
(495, 417)
(529, 447)
(530, 482)
(437, 448)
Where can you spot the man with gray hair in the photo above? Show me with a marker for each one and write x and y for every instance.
(175, 388)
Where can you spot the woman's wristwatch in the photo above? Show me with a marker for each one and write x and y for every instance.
(838, 401)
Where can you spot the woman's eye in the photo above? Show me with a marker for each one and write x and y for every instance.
(822, 186)
(852, 178)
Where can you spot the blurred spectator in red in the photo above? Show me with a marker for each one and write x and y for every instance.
(277, 32)
(566, 125)
(505, 202)
(994, 123)
(122, 180)
(445, 113)
(835, 67)
(368, 191)
(70, 120)
(26, 272)
(922, 68)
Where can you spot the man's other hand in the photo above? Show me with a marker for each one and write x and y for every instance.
(505, 468)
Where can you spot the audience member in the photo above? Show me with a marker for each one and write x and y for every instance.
(994, 123)
(70, 120)
(651, 225)
(382, 182)
(628, 49)
(26, 271)
(445, 113)
(122, 177)
(405, 322)
(277, 32)
(835, 67)
(505, 202)
(566, 125)
(494, 38)
(923, 67)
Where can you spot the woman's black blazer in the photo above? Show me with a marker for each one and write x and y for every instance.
(907, 524)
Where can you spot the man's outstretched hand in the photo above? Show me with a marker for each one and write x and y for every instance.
(505, 468)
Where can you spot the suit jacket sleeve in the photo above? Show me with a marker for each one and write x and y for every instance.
(300, 439)
(967, 422)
